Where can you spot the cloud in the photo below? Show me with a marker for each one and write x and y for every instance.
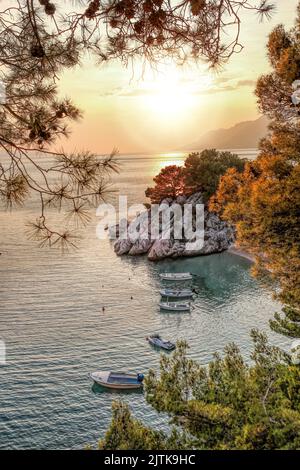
(229, 87)
(246, 83)
(215, 89)
(137, 92)
(223, 79)
(221, 84)
(120, 91)
(115, 91)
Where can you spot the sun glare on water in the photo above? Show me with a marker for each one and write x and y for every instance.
(174, 158)
(162, 160)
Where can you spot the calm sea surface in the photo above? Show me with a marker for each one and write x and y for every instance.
(55, 331)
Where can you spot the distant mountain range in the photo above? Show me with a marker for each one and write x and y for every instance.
(241, 136)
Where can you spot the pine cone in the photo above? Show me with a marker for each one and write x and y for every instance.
(120, 7)
(114, 23)
(139, 27)
(92, 9)
(130, 13)
(50, 9)
(32, 135)
(148, 6)
(197, 6)
(37, 51)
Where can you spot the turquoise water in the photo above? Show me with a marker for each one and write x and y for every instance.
(55, 331)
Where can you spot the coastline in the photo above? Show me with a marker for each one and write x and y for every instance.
(238, 252)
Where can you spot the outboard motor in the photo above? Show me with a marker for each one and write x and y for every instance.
(140, 377)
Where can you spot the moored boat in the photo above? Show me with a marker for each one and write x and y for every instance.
(157, 341)
(176, 307)
(176, 276)
(179, 293)
(118, 380)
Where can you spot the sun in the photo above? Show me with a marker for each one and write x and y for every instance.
(171, 93)
(168, 100)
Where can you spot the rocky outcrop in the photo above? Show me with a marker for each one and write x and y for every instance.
(218, 235)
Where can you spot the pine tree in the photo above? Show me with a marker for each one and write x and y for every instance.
(38, 41)
(264, 202)
(228, 405)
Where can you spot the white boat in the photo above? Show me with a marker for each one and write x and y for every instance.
(176, 276)
(156, 340)
(180, 293)
(174, 306)
(118, 380)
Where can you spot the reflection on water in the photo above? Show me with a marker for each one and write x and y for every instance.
(118, 394)
(56, 333)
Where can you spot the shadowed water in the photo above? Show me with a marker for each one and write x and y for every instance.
(56, 332)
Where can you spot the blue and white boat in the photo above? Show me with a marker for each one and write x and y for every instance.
(176, 307)
(157, 341)
(118, 380)
(179, 293)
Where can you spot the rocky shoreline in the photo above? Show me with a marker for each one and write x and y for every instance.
(219, 236)
(234, 250)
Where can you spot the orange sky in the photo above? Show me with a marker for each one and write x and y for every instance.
(171, 108)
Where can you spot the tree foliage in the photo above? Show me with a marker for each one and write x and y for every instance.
(287, 324)
(169, 183)
(127, 433)
(39, 39)
(226, 405)
(264, 201)
(201, 172)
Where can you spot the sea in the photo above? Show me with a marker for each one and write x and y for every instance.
(55, 331)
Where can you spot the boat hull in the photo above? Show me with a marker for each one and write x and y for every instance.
(176, 278)
(116, 381)
(175, 308)
(118, 386)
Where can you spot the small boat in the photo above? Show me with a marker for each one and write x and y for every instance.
(176, 276)
(156, 340)
(184, 293)
(179, 307)
(118, 380)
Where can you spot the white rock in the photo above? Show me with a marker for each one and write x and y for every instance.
(122, 247)
(140, 247)
(218, 235)
(296, 97)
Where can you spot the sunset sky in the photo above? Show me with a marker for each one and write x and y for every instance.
(167, 109)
